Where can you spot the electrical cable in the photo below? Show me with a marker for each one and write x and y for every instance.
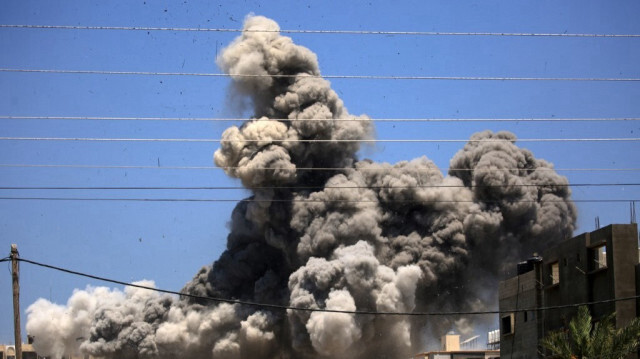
(341, 32)
(286, 307)
(197, 188)
(348, 77)
(8, 165)
(214, 140)
(304, 200)
(350, 119)
(354, 119)
(119, 167)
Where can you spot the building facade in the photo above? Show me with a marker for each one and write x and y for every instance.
(592, 267)
(9, 352)
(451, 348)
(463, 354)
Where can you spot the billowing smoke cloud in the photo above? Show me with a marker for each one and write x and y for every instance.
(324, 230)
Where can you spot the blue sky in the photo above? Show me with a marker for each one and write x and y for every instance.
(169, 241)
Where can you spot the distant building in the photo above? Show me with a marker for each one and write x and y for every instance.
(596, 266)
(493, 339)
(451, 348)
(9, 352)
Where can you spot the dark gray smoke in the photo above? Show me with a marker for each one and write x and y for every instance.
(364, 236)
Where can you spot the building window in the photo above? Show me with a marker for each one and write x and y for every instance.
(554, 270)
(525, 316)
(599, 257)
(506, 324)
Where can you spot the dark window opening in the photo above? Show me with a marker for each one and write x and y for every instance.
(506, 324)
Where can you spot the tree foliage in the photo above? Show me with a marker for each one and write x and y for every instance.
(583, 340)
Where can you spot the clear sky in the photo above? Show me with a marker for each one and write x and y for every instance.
(169, 241)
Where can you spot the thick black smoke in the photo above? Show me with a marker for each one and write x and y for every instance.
(324, 230)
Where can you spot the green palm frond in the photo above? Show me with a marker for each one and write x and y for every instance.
(602, 338)
(626, 340)
(580, 333)
(558, 344)
(583, 340)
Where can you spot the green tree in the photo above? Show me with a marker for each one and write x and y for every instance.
(600, 341)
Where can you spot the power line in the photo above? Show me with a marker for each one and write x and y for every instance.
(119, 167)
(337, 32)
(355, 119)
(210, 140)
(354, 77)
(306, 309)
(301, 200)
(155, 167)
(5, 165)
(197, 188)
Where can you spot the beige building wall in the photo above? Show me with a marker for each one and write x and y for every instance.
(450, 343)
(7, 351)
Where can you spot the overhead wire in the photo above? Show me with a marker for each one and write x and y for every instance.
(305, 31)
(355, 119)
(355, 77)
(307, 309)
(339, 140)
(156, 167)
(195, 188)
(277, 200)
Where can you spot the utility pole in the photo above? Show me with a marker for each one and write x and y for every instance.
(15, 274)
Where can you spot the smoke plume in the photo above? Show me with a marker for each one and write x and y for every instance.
(324, 230)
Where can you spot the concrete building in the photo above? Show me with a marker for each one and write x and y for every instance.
(451, 348)
(591, 267)
(9, 352)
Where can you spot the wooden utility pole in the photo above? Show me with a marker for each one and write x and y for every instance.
(15, 272)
